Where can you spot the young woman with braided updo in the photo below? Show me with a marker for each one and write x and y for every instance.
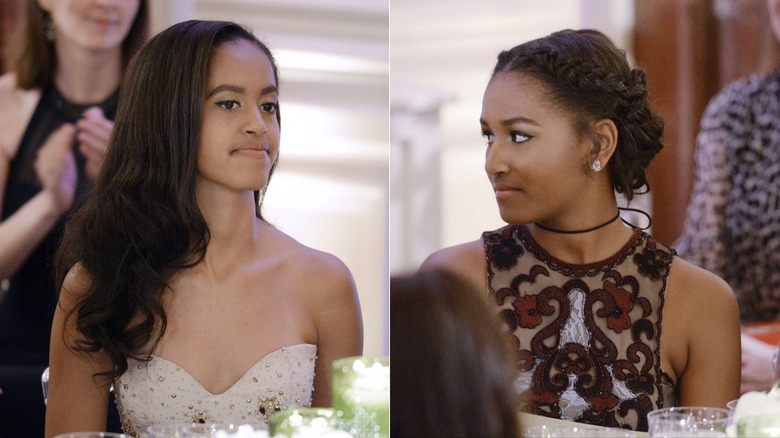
(585, 298)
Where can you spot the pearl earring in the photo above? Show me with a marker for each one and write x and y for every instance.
(596, 166)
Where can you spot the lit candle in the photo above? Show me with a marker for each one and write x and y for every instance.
(361, 395)
(306, 423)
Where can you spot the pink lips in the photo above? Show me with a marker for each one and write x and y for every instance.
(253, 152)
(504, 191)
(105, 22)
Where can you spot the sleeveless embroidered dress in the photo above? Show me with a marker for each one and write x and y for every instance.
(159, 392)
(587, 336)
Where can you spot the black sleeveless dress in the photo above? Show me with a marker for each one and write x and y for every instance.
(27, 309)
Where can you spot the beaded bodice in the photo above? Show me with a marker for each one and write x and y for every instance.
(587, 336)
(161, 392)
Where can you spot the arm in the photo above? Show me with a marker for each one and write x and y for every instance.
(757, 370)
(26, 228)
(703, 240)
(702, 333)
(78, 401)
(336, 314)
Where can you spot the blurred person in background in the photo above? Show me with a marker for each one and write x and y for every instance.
(732, 226)
(56, 107)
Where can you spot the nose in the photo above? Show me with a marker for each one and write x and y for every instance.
(255, 124)
(106, 3)
(495, 159)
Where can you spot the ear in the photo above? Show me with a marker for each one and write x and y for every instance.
(605, 141)
(45, 5)
(773, 7)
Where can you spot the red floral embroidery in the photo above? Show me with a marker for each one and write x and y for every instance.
(603, 403)
(527, 311)
(617, 314)
(621, 314)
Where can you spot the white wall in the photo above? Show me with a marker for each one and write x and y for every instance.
(330, 190)
(443, 51)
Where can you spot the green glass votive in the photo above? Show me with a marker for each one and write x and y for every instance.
(361, 395)
(767, 425)
(305, 422)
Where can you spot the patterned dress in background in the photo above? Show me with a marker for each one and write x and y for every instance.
(733, 221)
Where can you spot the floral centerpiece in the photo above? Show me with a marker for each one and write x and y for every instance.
(757, 414)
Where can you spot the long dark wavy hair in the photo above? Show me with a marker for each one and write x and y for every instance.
(588, 76)
(452, 372)
(34, 58)
(141, 223)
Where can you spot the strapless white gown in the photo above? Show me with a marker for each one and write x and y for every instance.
(161, 392)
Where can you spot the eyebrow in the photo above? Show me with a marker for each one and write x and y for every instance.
(512, 121)
(241, 90)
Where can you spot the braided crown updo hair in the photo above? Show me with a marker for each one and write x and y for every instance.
(587, 75)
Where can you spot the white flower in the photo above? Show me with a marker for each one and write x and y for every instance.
(755, 403)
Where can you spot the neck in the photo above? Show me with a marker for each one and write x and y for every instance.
(85, 76)
(584, 248)
(233, 227)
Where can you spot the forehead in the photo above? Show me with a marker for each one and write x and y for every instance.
(240, 62)
(510, 94)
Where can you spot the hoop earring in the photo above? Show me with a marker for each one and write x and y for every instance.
(48, 28)
(596, 166)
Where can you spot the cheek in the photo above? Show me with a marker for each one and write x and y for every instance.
(130, 11)
(273, 137)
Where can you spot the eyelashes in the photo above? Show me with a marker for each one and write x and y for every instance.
(519, 137)
(270, 107)
(228, 104)
(232, 104)
(514, 136)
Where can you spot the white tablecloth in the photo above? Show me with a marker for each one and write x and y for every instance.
(530, 420)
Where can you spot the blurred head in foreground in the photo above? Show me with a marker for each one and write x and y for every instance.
(451, 375)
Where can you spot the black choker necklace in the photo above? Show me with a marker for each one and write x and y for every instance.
(588, 230)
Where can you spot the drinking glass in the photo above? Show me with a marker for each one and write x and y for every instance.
(576, 431)
(45, 385)
(91, 435)
(689, 422)
(211, 430)
(165, 432)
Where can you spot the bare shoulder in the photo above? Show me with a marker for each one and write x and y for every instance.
(74, 286)
(456, 257)
(466, 259)
(14, 96)
(305, 265)
(8, 86)
(690, 285)
(701, 318)
(16, 108)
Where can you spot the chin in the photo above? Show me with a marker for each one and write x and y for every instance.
(512, 217)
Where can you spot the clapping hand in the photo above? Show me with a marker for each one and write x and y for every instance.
(55, 167)
(94, 131)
